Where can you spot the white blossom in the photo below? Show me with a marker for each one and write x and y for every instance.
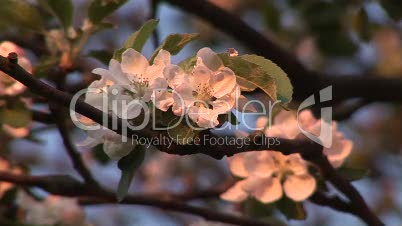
(209, 90)
(123, 89)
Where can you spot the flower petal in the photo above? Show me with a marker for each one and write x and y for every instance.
(260, 164)
(265, 190)
(236, 165)
(163, 57)
(235, 193)
(133, 62)
(175, 76)
(126, 107)
(210, 58)
(337, 158)
(223, 82)
(200, 76)
(299, 187)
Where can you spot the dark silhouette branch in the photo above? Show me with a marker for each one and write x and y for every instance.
(67, 186)
(42, 117)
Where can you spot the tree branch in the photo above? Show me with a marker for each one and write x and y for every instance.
(75, 157)
(304, 81)
(67, 186)
(357, 204)
(42, 117)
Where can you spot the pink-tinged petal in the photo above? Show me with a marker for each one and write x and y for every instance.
(200, 77)
(235, 193)
(236, 165)
(306, 119)
(337, 159)
(7, 47)
(265, 190)
(162, 58)
(296, 164)
(164, 101)
(15, 132)
(204, 117)
(223, 82)
(155, 89)
(210, 58)
(25, 63)
(261, 122)
(175, 76)
(133, 62)
(299, 187)
(260, 164)
(15, 89)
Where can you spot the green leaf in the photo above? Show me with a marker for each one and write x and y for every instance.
(261, 211)
(188, 64)
(361, 24)
(128, 166)
(138, 39)
(181, 133)
(62, 9)
(291, 209)
(352, 174)
(174, 43)
(16, 116)
(253, 73)
(100, 9)
(256, 209)
(20, 13)
(245, 85)
(103, 56)
(284, 89)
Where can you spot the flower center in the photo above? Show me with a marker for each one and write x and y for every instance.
(140, 84)
(203, 92)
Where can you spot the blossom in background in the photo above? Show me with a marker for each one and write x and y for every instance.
(8, 85)
(5, 166)
(286, 125)
(54, 210)
(11, 87)
(267, 175)
(209, 90)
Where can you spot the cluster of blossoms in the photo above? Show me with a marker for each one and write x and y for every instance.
(269, 174)
(132, 86)
(9, 87)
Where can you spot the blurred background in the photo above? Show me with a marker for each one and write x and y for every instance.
(339, 37)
